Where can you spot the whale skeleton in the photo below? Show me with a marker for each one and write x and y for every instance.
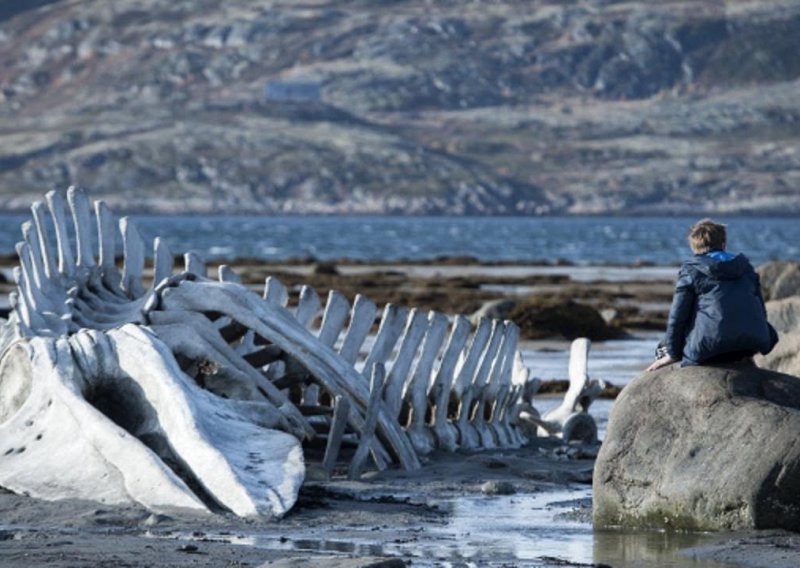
(170, 389)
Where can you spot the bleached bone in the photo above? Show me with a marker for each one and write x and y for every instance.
(255, 363)
(337, 309)
(416, 326)
(95, 296)
(275, 292)
(487, 415)
(571, 420)
(66, 263)
(392, 323)
(162, 261)
(308, 306)
(191, 335)
(445, 432)
(341, 411)
(416, 389)
(376, 385)
(194, 264)
(227, 274)
(277, 325)
(362, 317)
(133, 258)
(469, 436)
(122, 422)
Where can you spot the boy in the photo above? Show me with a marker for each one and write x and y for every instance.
(717, 313)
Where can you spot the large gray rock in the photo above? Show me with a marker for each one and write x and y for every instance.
(780, 279)
(784, 315)
(702, 448)
(785, 356)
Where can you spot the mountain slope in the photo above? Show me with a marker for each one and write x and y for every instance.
(404, 106)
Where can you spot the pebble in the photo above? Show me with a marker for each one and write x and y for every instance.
(498, 488)
(155, 519)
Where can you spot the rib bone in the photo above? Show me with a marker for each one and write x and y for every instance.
(187, 392)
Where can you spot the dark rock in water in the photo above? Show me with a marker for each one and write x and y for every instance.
(779, 279)
(702, 448)
(326, 268)
(543, 317)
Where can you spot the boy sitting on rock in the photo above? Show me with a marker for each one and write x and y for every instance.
(717, 313)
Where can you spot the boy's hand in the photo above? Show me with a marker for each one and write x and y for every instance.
(662, 362)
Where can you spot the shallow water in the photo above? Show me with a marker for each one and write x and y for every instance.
(533, 528)
(537, 530)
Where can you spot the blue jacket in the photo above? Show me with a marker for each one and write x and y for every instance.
(717, 309)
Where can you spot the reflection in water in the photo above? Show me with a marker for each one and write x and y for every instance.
(643, 549)
(535, 530)
(517, 527)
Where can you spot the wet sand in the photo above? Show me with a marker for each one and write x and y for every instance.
(527, 507)
(392, 515)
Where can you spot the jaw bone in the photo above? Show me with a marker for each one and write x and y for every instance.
(216, 391)
(110, 417)
(117, 418)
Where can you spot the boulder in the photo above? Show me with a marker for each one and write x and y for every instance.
(785, 356)
(702, 448)
(780, 279)
(540, 317)
(784, 315)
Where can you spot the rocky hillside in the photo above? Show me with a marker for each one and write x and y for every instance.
(404, 106)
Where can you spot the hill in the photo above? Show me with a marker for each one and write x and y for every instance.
(404, 106)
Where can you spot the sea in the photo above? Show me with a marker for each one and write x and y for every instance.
(576, 240)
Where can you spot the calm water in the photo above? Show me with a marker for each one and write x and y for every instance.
(581, 240)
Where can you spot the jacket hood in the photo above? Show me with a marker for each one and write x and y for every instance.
(721, 265)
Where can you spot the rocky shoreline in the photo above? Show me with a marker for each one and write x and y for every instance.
(395, 518)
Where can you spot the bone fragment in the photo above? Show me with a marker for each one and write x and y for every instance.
(133, 253)
(308, 306)
(37, 210)
(228, 274)
(469, 436)
(162, 261)
(82, 219)
(416, 393)
(362, 317)
(392, 323)
(274, 292)
(66, 262)
(194, 264)
(416, 326)
(445, 432)
(341, 410)
(370, 421)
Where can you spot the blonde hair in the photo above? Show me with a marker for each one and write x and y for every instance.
(706, 235)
